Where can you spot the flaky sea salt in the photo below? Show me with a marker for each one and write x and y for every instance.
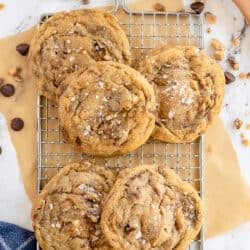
(138, 235)
(171, 114)
(87, 130)
(101, 84)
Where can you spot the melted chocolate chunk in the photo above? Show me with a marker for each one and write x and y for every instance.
(78, 141)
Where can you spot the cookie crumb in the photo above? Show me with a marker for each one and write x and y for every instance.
(242, 75)
(248, 75)
(248, 126)
(209, 30)
(219, 53)
(238, 123)
(235, 42)
(210, 17)
(159, 7)
(0, 150)
(85, 1)
(233, 63)
(1, 6)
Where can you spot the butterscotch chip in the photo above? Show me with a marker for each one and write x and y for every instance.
(159, 7)
(69, 41)
(150, 207)
(232, 61)
(242, 75)
(66, 214)
(246, 142)
(216, 44)
(219, 55)
(210, 17)
(235, 42)
(107, 109)
(183, 77)
(238, 123)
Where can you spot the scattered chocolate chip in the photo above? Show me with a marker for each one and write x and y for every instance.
(85, 1)
(7, 90)
(55, 84)
(0, 150)
(128, 229)
(159, 7)
(17, 124)
(229, 77)
(78, 141)
(23, 48)
(197, 7)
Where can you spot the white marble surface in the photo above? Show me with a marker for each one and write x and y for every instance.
(19, 15)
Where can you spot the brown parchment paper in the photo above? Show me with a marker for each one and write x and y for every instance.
(23, 105)
(227, 199)
(227, 195)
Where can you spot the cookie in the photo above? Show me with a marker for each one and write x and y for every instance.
(189, 88)
(66, 214)
(71, 40)
(107, 109)
(150, 207)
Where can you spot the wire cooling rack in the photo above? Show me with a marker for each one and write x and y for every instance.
(145, 30)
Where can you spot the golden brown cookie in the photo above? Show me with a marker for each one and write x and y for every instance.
(68, 41)
(66, 214)
(107, 109)
(150, 207)
(189, 87)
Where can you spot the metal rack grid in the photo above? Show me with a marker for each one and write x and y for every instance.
(145, 30)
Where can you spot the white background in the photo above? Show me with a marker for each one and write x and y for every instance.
(18, 15)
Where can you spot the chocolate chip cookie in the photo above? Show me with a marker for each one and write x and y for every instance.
(66, 214)
(189, 88)
(68, 41)
(107, 109)
(150, 207)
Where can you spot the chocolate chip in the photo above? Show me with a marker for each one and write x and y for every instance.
(17, 124)
(159, 7)
(23, 48)
(85, 1)
(197, 7)
(0, 150)
(1, 81)
(78, 141)
(128, 229)
(229, 77)
(7, 90)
